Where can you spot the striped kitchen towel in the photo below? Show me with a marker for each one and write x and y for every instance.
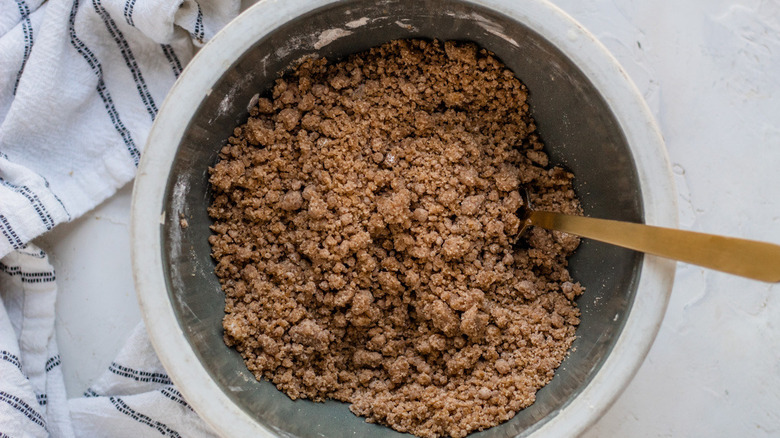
(133, 398)
(80, 83)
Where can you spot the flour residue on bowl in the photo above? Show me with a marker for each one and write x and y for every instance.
(487, 25)
(328, 36)
(178, 208)
(226, 103)
(360, 22)
(406, 26)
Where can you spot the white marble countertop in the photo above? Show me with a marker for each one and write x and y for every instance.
(710, 72)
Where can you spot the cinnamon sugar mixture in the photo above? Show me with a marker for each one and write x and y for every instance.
(366, 238)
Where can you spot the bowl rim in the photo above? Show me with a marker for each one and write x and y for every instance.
(195, 82)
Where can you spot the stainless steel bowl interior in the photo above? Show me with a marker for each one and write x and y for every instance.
(576, 124)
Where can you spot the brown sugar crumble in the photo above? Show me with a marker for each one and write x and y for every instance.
(367, 242)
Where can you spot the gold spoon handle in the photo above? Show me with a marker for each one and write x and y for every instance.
(748, 258)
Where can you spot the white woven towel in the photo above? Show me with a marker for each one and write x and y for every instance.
(133, 398)
(80, 83)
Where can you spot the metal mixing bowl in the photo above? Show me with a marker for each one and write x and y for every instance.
(591, 118)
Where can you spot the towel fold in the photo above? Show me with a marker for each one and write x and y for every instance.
(134, 397)
(81, 82)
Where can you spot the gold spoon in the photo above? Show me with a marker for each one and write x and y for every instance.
(747, 258)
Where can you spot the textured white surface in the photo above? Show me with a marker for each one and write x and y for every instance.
(96, 307)
(709, 72)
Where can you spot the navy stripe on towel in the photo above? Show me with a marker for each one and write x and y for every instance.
(27, 29)
(91, 393)
(38, 254)
(46, 183)
(174, 394)
(19, 404)
(198, 31)
(42, 399)
(127, 54)
(34, 200)
(129, 5)
(170, 55)
(11, 358)
(93, 62)
(122, 407)
(139, 376)
(52, 362)
(28, 277)
(9, 233)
